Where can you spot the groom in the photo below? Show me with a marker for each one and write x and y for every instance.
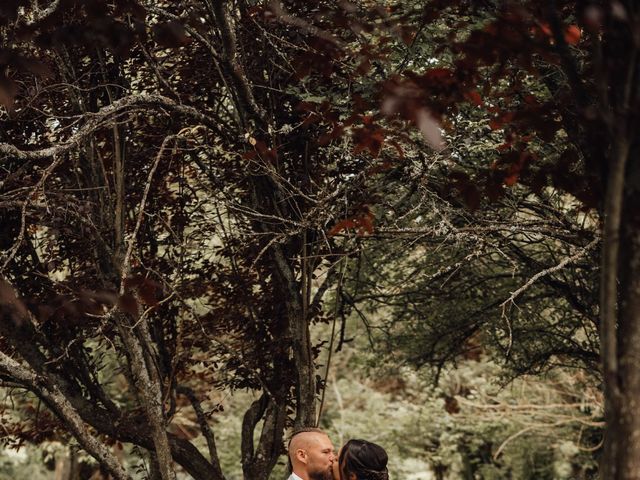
(311, 455)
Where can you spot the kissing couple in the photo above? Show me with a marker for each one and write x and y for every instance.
(312, 457)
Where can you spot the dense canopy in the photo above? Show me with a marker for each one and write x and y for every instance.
(203, 197)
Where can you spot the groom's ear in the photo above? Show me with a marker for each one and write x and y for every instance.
(301, 455)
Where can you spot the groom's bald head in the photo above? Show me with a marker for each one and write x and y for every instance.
(304, 437)
(311, 454)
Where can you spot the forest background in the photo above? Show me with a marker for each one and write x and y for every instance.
(410, 222)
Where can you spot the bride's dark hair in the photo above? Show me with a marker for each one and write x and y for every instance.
(366, 460)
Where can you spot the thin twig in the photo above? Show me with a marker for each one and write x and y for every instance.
(549, 271)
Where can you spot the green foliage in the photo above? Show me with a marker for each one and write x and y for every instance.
(529, 430)
(22, 466)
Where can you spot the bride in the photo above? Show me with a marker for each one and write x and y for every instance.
(361, 460)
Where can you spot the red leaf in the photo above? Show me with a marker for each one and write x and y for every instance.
(8, 92)
(512, 179)
(368, 139)
(438, 74)
(572, 35)
(451, 405)
(11, 304)
(367, 119)
(363, 222)
(128, 304)
(516, 169)
(366, 224)
(342, 225)
(499, 121)
(377, 137)
(133, 281)
(546, 29)
(364, 67)
(407, 34)
(147, 291)
(474, 97)
(171, 34)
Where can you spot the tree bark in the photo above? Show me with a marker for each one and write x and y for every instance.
(299, 333)
(609, 305)
(623, 433)
(620, 283)
(148, 388)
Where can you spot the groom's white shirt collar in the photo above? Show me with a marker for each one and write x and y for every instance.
(294, 477)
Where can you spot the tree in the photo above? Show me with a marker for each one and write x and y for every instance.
(165, 210)
(573, 51)
(269, 140)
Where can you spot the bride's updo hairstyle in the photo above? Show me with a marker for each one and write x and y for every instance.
(365, 460)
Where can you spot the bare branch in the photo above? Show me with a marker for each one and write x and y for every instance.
(51, 394)
(551, 270)
(102, 118)
(282, 15)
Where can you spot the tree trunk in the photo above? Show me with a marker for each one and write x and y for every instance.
(149, 391)
(617, 82)
(609, 305)
(258, 461)
(624, 432)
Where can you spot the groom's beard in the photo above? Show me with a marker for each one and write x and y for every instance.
(326, 475)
